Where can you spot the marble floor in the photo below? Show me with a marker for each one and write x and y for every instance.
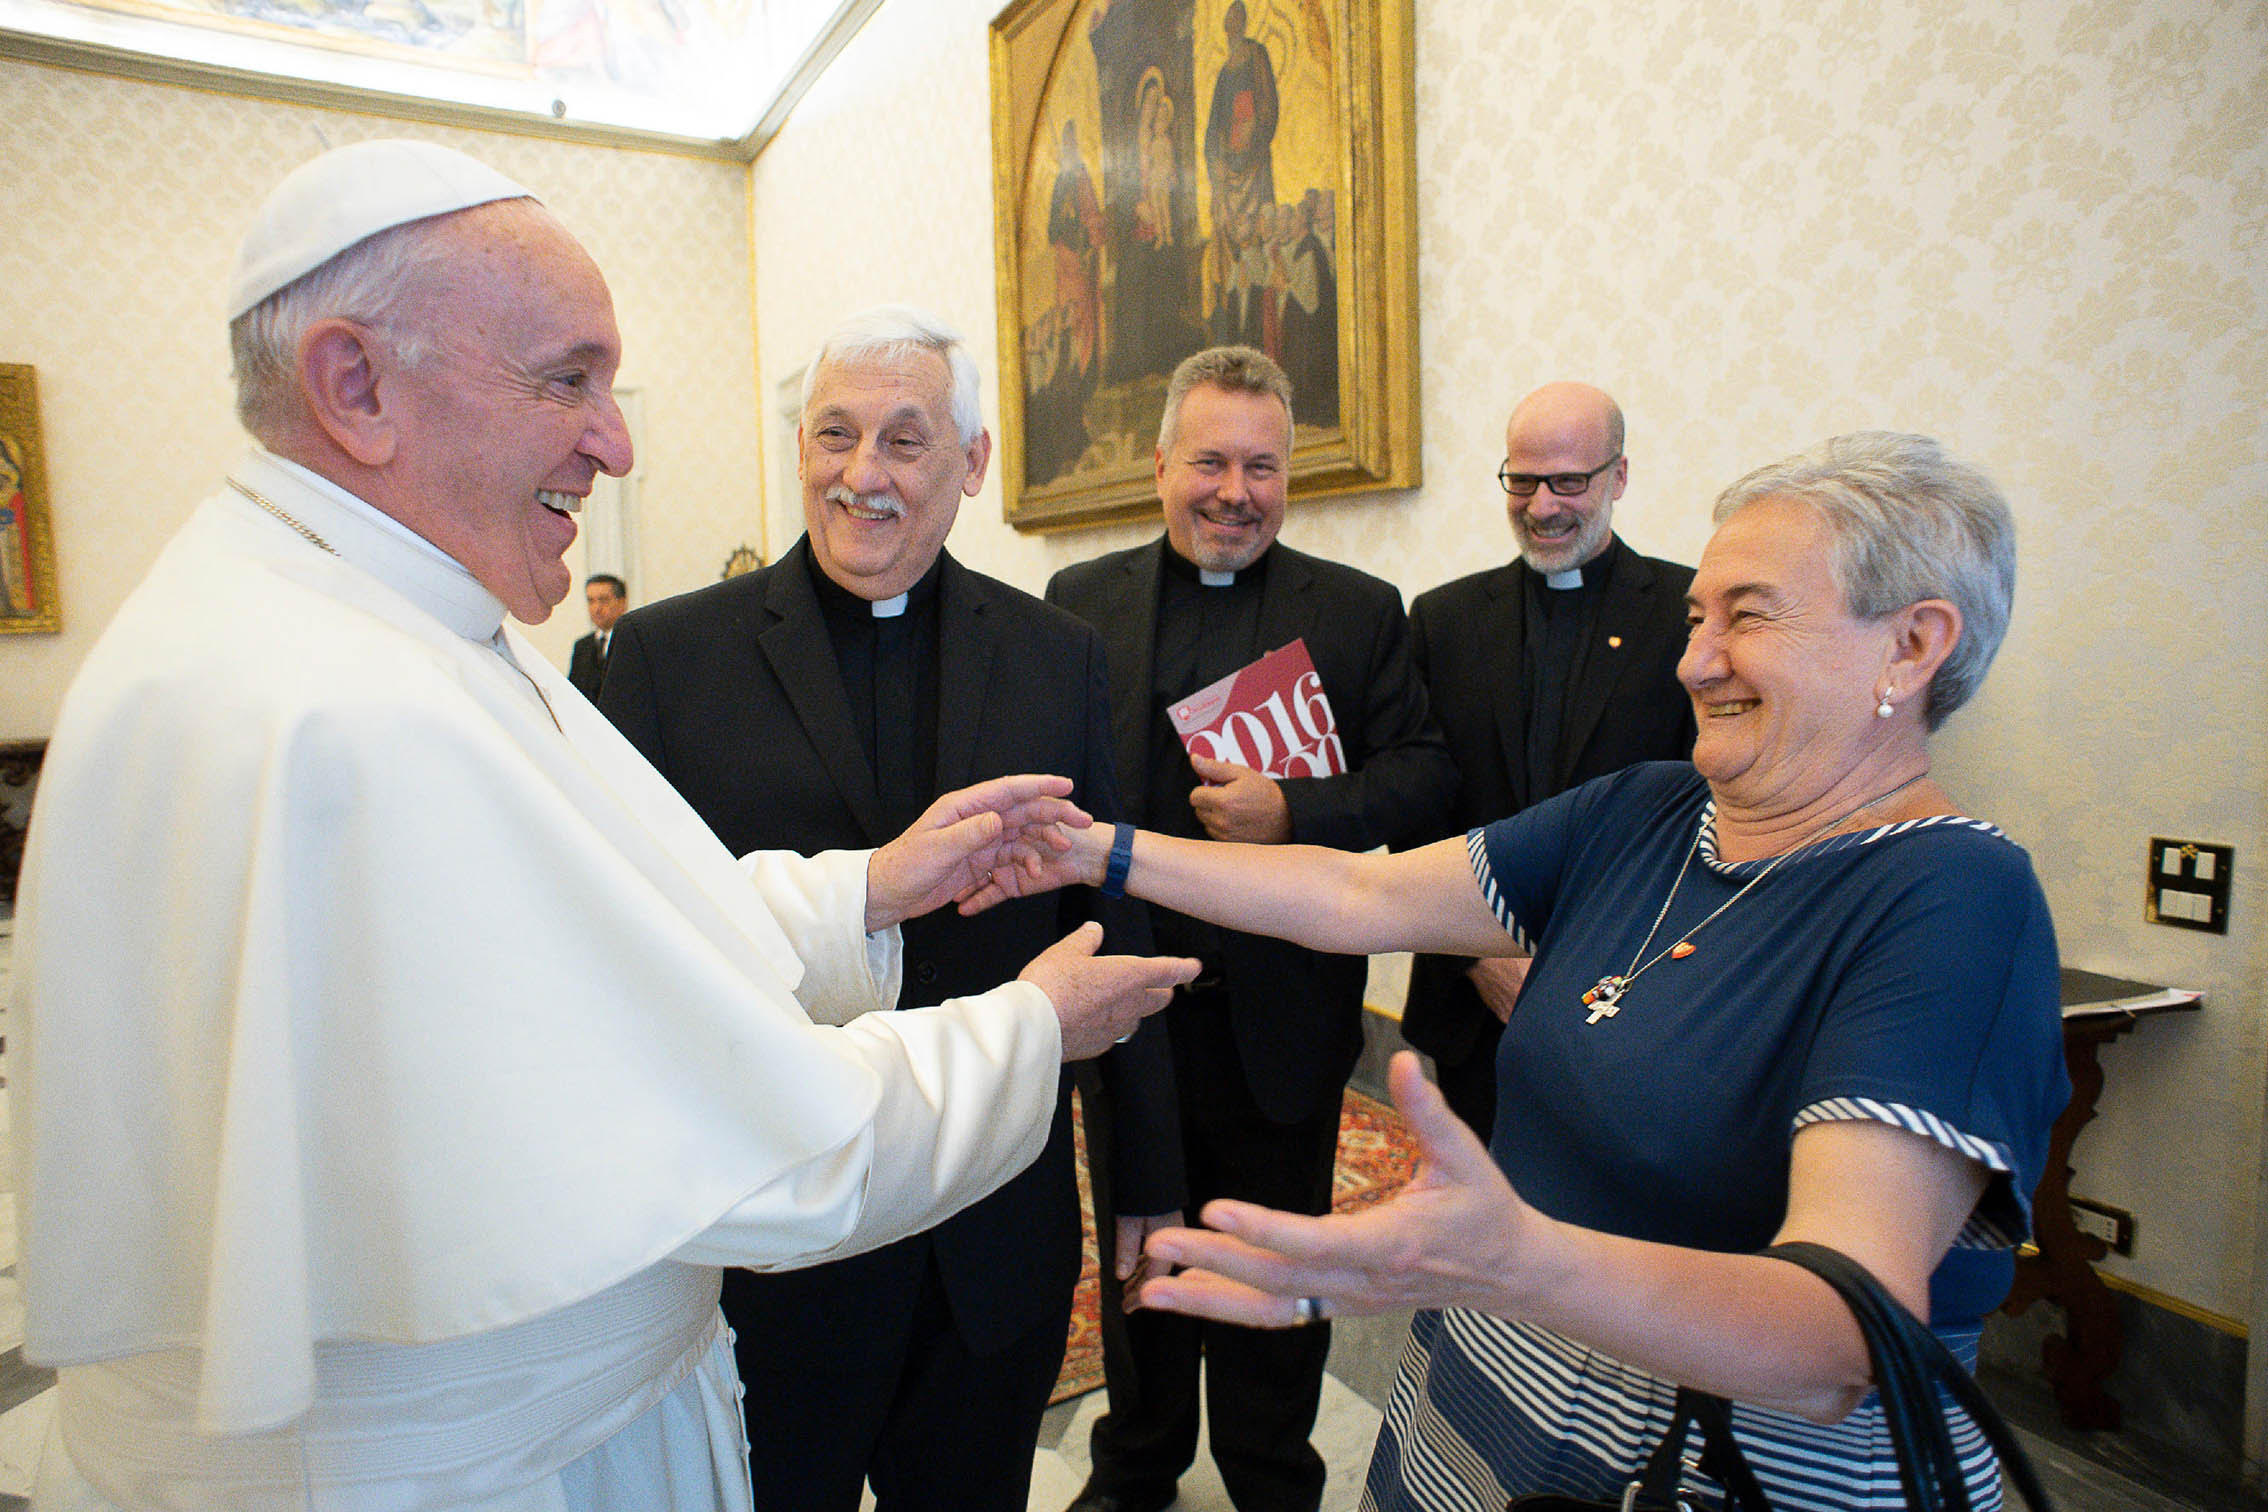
(1343, 1435)
(1363, 1352)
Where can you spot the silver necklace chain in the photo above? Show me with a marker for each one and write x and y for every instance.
(1605, 997)
(277, 511)
(496, 645)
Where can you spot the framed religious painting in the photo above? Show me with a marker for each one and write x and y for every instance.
(27, 532)
(1175, 174)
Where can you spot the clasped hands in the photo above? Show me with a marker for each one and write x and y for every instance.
(1008, 824)
(1019, 829)
(1233, 803)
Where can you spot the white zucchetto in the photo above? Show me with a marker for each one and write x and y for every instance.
(329, 203)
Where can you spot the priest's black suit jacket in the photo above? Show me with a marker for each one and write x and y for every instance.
(1469, 638)
(1297, 1013)
(733, 693)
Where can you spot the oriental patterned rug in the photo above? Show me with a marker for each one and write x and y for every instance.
(1376, 1156)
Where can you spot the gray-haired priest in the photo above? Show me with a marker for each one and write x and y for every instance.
(397, 1056)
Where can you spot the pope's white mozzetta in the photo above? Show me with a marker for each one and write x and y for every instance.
(395, 1065)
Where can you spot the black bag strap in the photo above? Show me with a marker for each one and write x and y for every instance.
(1910, 1365)
(1656, 1485)
(1721, 1459)
(1657, 1479)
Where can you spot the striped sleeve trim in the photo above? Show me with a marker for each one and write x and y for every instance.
(1476, 846)
(2000, 1220)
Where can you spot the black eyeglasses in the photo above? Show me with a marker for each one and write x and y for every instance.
(1566, 485)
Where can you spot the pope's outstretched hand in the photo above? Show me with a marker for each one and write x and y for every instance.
(1101, 999)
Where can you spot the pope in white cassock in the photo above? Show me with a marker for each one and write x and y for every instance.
(396, 1057)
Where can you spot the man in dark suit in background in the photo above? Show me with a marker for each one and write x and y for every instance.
(605, 596)
(807, 706)
(1556, 668)
(1263, 1040)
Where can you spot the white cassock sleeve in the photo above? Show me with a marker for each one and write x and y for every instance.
(923, 1154)
(819, 903)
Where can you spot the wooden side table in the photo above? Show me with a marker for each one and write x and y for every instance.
(2096, 1010)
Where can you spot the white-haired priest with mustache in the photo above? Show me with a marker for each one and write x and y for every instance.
(813, 704)
(397, 1061)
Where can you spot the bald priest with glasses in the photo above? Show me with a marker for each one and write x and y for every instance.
(1556, 668)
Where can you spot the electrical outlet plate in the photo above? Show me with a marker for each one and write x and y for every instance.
(2186, 884)
(2114, 1227)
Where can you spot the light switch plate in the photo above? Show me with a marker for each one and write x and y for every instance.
(2186, 884)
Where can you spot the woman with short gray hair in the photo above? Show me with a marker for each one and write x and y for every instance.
(1786, 992)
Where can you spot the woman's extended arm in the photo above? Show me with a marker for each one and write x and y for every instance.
(1324, 899)
(1742, 1326)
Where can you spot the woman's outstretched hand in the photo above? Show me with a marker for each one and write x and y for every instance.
(1453, 1237)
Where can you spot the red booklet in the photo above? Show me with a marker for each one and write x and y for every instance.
(1271, 716)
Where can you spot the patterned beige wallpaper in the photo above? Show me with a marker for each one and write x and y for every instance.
(2034, 230)
(125, 202)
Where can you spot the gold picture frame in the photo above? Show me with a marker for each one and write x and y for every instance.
(28, 604)
(1127, 134)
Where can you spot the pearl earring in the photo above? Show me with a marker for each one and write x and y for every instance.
(1883, 710)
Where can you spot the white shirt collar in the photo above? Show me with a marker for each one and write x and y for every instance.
(377, 543)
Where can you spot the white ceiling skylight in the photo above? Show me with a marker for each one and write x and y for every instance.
(713, 75)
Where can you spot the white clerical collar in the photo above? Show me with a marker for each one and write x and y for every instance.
(377, 543)
(1211, 579)
(1571, 578)
(890, 608)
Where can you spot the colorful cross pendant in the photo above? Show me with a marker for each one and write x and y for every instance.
(1605, 1000)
